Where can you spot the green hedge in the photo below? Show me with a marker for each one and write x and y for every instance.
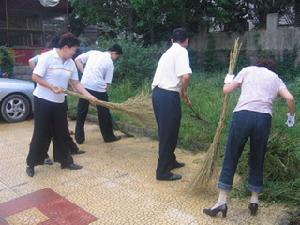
(6, 60)
(138, 62)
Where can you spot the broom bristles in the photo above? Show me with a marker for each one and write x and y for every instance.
(139, 107)
(208, 168)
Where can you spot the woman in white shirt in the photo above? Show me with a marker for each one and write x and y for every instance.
(54, 71)
(73, 148)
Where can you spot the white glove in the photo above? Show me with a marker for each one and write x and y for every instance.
(229, 78)
(290, 119)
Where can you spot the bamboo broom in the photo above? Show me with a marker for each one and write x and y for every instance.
(139, 107)
(208, 168)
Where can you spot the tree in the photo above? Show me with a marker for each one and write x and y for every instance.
(153, 20)
(297, 13)
(261, 8)
(114, 13)
(230, 14)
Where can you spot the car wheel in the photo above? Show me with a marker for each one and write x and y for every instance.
(15, 108)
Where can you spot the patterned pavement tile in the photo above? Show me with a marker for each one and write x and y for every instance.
(116, 186)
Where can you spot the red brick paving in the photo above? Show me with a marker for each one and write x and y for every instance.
(57, 208)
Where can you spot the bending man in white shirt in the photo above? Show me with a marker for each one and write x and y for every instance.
(97, 68)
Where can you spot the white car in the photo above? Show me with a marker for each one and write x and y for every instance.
(16, 99)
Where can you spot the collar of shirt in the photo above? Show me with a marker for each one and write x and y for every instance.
(176, 45)
(108, 55)
(56, 55)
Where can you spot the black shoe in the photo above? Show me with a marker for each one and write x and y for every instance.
(253, 207)
(79, 136)
(30, 171)
(78, 152)
(178, 165)
(116, 138)
(71, 166)
(48, 161)
(213, 212)
(170, 178)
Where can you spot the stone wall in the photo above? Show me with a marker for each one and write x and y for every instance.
(274, 37)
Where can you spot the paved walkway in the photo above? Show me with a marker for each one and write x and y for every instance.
(116, 186)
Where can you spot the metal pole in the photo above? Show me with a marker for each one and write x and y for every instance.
(6, 11)
(67, 5)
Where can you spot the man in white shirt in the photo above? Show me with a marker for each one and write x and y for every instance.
(171, 81)
(97, 68)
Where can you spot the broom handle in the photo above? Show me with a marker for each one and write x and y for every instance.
(97, 102)
(232, 64)
(198, 116)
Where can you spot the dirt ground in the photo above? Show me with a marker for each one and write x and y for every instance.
(117, 184)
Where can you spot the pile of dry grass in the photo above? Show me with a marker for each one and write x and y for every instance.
(208, 170)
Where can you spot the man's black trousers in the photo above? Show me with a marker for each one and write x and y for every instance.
(104, 117)
(50, 122)
(167, 109)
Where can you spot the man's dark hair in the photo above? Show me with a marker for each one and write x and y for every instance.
(267, 63)
(116, 48)
(68, 39)
(179, 35)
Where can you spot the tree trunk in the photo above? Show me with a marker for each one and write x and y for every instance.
(152, 34)
(130, 24)
(297, 13)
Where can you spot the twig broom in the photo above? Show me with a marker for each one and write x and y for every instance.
(139, 107)
(208, 168)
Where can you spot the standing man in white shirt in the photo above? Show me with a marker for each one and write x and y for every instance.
(171, 81)
(97, 68)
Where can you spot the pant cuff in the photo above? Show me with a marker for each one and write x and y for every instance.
(253, 188)
(226, 187)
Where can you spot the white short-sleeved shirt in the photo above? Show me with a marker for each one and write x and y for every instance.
(98, 70)
(56, 72)
(173, 64)
(259, 88)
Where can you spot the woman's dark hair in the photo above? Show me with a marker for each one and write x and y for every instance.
(68, 39)
(54, 42)
(267, 63)
(179, 35)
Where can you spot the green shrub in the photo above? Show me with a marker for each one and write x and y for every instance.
(138, 62)
(243, 60)
(286, 64)
(195, 62)
(211, 61)
(6, 60)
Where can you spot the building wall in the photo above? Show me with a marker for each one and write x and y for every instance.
(274, 37)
